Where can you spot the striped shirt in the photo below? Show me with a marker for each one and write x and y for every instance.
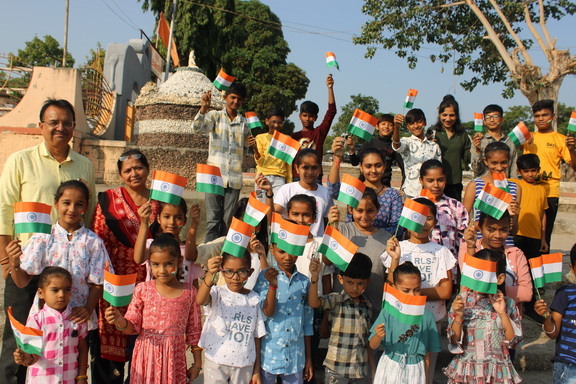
(59, 360)
(347, 349)
(565, 304)
(227, 141)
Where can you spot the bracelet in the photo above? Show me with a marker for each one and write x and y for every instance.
(313, 282)
(194, 366)
(459, 322)
(81, 377)
(270, 196)
(30, 363)
(274, 288)
(121, 329)
(551, 332)
(395, 142)
(196, 348)
(205, 283)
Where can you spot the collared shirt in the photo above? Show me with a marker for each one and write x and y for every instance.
(283, 350)
(268, 164)
(478, 165)
(564, 303)
(414, 152)
(84, 257)
(347, 349)
(452, 220)
(33, 175)
(59, 361)
(227, 141)
(455, 154)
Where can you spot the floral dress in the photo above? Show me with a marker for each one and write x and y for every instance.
(482, 355)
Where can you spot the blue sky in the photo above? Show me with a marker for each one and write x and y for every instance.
(310, 27)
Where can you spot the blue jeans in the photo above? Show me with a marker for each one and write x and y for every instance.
(275, 181)
(270, 378)
(219, 211)
(563, 373)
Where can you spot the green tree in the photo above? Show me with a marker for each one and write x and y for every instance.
(367, 104)
(96, 57)
(42, 53)
(481, 36)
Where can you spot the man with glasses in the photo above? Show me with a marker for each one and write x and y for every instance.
(33, 175)
(493, 119)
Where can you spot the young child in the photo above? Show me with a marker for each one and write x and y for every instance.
(165, 316)
(277, 171)
(71, 246)
(551, 147)
(481, 329)
(383, 142)
(64, 356)
(493, 119)
(309, 165)
(414, 149)
(560, 325)
(348, 358)
(406, 348)
(310, 137)
(234, 323)
(170, 219)
(228, 134)
(283, 297)
(434, 261)
(496, 159)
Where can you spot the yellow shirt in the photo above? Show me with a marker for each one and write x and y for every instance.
(270, 165)
(33, 175)
(532, 207)
(550, 148)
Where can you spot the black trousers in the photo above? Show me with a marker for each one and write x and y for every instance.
(551, 217)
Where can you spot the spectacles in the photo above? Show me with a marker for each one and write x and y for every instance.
(135, 156)
(492, 117)
(56, 123)
(242, 273)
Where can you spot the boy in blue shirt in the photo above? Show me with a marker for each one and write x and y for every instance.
(560, 324)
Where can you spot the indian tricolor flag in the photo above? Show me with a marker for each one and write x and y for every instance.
(223, 80)
(425, 193)
(500, 181)
(237, 238)
(572, 122)
(253, 121)
(493, 201)
(478, 122)
(362, 124)
(255, 210)
(520, 134)
(28, 339)
(209, 179)
(167, 187)
(407, 309)
(287, 236)
(413, 215)
(118, 289)
(479, 275)
(337, 248)
(410, 98)
(283, 147)
(331, 60)
(32, 218)
(546, 269)
(351, 190)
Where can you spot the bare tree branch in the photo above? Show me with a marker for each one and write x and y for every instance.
(521, 46)
(544, 27)
(537, 36)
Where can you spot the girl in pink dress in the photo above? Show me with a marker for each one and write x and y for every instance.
(165, 315)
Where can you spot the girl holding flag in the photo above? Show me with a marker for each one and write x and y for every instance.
(483, 324)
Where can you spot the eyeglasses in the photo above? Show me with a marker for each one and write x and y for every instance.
(56, 123)
(242, 273)
(135, 156)
(492, 117)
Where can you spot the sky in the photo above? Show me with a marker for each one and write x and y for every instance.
(310, 27)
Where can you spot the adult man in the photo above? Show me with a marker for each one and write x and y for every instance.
(33, 175)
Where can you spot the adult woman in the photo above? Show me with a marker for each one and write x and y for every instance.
(454, 144)
(117, 222)
(371, 173)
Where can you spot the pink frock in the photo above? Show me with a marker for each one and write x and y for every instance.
(164, 327)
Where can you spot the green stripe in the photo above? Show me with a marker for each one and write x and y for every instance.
(28, 348)
(280, 155)
(210, 188)
(347, 199)
(514, 139)
(539, 282)
(32, 228)
(409, 224)
(250, 220)
(478, 128)
(332, 63)
(291, 249)
(553, 277)
(402, 317)
(117, 301)
(408, 104)
(477, 285)
(165, 197)
(488, 209)
(333, 257)
(233, 249)
(359, 132)
(572, 127)
(220, 86)
(256, 124)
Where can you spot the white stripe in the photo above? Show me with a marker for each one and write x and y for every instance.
(478, 122)
(35, 341)
(410, 99)
(237, 238)
(413, 215)
(479, 274)
(362, 124)
(119, 290)
(32, 217)
(552, 268)
(254, 213)
(252, 119)
(519, 134)
(223, 81)
(335, 246)
(167, 187)
(572, 121)
(207, 178)
(330, 58)
(537, 272)
(350, 190)
(289, 237)
(493, 201)
(407, 309)
(283, 147)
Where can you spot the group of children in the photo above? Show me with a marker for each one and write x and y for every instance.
(265, 311)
